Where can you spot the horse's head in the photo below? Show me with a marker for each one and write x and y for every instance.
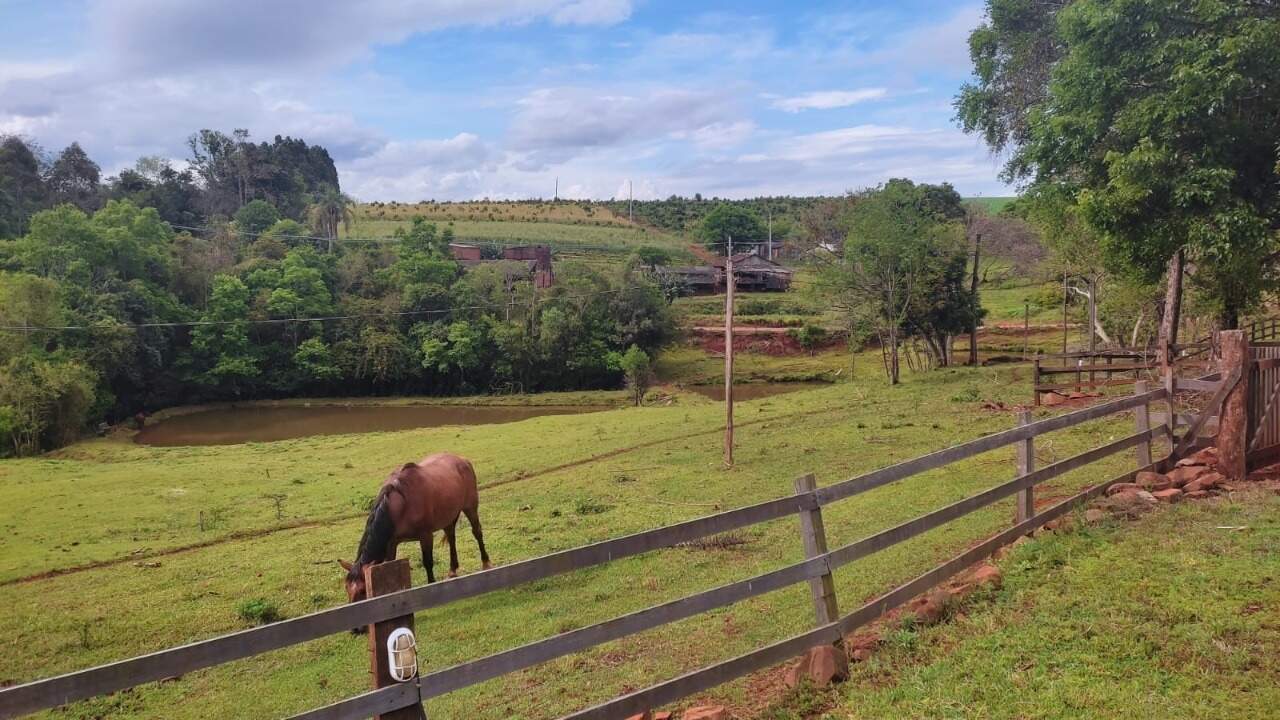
(354, 581)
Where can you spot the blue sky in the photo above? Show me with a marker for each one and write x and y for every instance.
(462, 99)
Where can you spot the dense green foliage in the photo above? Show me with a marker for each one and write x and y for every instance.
(403, 318)
(1157, 117)
(903, 272)
(730, 225)
(681, 215)
(226, 174)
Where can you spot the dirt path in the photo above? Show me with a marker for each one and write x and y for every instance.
(335, 519)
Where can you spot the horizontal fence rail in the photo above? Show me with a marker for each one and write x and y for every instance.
(177, 661)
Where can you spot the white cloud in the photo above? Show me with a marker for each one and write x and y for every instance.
(828, 99)
(170, 37)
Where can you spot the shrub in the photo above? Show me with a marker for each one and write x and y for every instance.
(259, 611)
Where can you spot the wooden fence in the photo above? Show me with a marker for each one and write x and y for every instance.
(816, 570)
(1125, 366)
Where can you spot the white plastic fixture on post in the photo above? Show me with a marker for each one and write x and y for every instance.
(402, 654)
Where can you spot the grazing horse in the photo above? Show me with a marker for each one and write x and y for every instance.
(415, 501)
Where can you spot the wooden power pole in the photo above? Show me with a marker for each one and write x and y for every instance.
(973, 299)
(728, 356)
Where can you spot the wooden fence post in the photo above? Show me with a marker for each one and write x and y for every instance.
(1142, 422)
(1171, 404)
(1035, 383)
(1234, 420)
(1026, 499)
(380, 579)
(814, 535)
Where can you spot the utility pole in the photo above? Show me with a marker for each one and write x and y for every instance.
(770, 252)
(1065, 295)
(973, 300)
(556, 197)
(728, 357)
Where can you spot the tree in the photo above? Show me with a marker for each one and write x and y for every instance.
(74, 179)
(255, 217)
(22, 187)
(223, 345)
(727, 221)
(903, 268)
(329, 210)
(637, 372)
(1157, 117)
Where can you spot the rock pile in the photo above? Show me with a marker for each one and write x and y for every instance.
(1192, 478)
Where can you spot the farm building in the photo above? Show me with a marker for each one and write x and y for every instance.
(535, 258)
(751, 272)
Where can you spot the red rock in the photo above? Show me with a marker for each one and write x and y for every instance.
(1094, 515)
(1172, 495)
(1198, 494)
(930, 608)
(1052, 399)
(822, 665)
(988, 576)
(1122, 487)
(646, 715)
(706, 712)
(1207, 456)
(1152, 481)
(1183, 475)
(662, 715)
(860, 655)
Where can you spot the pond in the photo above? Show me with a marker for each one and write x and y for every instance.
(754, 391)
(230, 426)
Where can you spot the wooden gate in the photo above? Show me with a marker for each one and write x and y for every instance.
(1264, 399)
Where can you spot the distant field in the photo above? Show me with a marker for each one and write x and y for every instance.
(600, 238)
(991, 204)
(534, 211)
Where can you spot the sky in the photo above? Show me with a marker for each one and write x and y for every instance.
(470, 99)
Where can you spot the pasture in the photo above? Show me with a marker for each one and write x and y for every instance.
(191, 534)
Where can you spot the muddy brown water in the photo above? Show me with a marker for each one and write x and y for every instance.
(231, 426)
(754, 391)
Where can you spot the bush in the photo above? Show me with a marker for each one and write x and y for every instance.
(259, 611)
(809, 336)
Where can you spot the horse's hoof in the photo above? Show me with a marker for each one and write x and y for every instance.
(488, 566)
(452, 574)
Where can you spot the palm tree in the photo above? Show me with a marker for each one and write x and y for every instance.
(330, 209)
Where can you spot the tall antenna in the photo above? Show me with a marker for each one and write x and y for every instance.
(557, 195)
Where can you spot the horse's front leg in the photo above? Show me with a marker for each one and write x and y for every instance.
(428, 559)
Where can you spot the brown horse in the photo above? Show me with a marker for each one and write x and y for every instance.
(414, 502)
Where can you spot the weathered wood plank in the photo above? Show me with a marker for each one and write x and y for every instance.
(813, 536)
(1049, 370)
(62, 689)
(1196, 385)
(363, 706)
(1214, 404)
(1141, 423)
(487, 668)
(1085, 384)
(708, 677)
(929, 521)
(1025, 503)
(893, 473)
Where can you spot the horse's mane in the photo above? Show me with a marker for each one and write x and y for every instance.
(378, 531)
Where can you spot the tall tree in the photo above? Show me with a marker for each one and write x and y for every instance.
(1157, 117)
(74, 178)
(726, 222)
(22, 188)
(330, 210)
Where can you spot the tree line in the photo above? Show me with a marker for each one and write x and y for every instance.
(108, 310)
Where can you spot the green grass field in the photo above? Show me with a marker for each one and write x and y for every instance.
(607, 238)
(1176, 615)
(553, 483)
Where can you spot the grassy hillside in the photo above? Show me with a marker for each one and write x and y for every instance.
(1101, 623)
(992, 205)
(549, 484)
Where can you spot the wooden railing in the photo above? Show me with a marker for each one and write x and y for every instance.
(816, 569)
(1085, 367)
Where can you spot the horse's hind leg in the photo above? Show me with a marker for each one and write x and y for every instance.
(453, 548)
(428, 558)
(473, 517)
